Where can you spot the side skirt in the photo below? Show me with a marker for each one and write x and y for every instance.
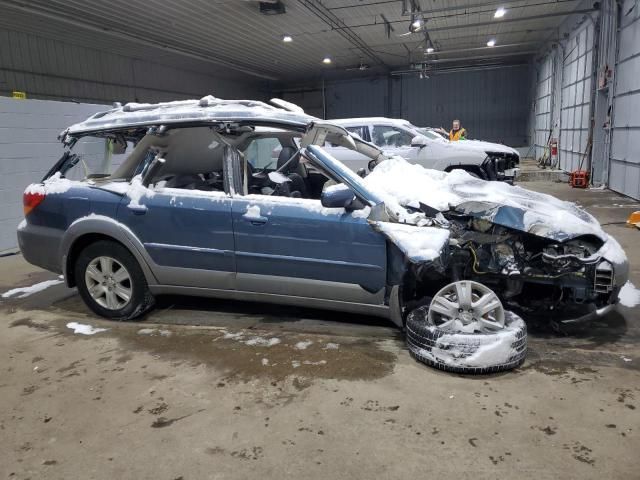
(360, 308)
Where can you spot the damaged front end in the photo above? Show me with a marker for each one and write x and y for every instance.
(565, 281)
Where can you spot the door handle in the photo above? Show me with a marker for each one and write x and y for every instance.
(255, 219)
(137, 209)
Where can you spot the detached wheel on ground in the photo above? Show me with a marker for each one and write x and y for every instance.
(111, 282)
(465, 329)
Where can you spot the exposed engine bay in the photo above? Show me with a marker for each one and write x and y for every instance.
(531, 274)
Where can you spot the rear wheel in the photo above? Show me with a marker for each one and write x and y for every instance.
(111, 282)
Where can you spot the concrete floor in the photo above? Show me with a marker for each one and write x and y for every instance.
(171, 398)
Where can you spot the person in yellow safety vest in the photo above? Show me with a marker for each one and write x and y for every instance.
(457, 132)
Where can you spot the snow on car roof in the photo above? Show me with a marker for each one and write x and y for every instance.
(208, 108)
(369, 120)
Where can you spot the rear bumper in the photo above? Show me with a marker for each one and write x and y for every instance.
(40, 246)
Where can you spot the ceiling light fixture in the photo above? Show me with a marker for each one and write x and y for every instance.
(491, 43)
(287, 38)
(499, 13)
(430, 49)
(417, 23)
(326, 60)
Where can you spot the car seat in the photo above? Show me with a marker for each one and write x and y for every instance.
(294, 172)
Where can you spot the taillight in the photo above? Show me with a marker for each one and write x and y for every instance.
(31, 200)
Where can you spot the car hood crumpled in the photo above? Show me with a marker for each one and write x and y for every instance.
(400, 184)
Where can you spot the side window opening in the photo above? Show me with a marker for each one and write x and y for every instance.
(193, 160)
(390, 137)
(361, 131)
(302, 179)
(262, 153)
(94, 158)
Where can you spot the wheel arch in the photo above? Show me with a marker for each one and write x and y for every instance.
(85, 232)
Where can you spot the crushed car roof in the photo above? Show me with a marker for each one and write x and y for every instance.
(208, 108)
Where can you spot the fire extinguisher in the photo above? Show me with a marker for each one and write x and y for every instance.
(553, 146)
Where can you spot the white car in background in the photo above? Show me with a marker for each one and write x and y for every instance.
(426, 147)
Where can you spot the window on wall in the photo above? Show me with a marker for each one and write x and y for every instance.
(387, 136)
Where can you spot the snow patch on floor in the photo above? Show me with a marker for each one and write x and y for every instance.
(22, 292)
(629, 295)
(320, 362)
(262, 342)
(303, 345)
(254, 341)
(233, 336)
(83, 329)
(154, 331)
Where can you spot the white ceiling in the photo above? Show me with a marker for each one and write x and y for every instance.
(206, 35)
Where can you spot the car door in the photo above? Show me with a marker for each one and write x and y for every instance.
(186, 230)
(294, 246)
(394, 141)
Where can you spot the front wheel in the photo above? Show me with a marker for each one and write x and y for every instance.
(111, 282)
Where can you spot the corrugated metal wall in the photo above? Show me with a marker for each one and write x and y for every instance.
(357, 98)
(577, 95)
(624, 167)
(493, 105)
(49, 69)
(543, 105)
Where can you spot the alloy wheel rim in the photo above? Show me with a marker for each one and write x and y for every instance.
(108, 282)
(466, 306)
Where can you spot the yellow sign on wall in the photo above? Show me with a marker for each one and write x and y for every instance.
(20, 95)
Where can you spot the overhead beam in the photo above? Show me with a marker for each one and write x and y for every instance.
(492, 22)
(479, 57)
(514, 20)
(492, 3)
(328, 17)
(475, 49)
(416, 43)
(506, 4)
(460, 68)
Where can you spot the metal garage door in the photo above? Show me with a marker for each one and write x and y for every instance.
(544, 90)
(624, 167)
(575, 110)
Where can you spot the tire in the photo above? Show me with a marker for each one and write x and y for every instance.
(140, 298)
(469, 353)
